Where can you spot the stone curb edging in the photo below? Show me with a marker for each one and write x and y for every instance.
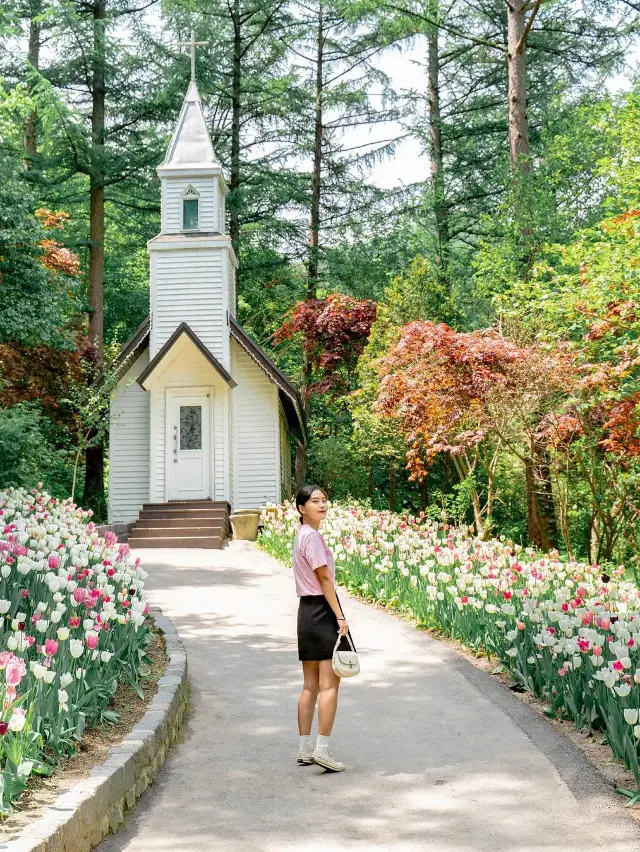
(94, 807)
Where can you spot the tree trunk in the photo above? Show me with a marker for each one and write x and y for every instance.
(370, 482)
(543, 531)
(424, 494)
(392, 487)
(236, 106)
(517, 84)
(314, 225)
(94, 469)
(435, 149)
(300, 463)
(465, 470)
(96, 183)
(33, 58)
(314, 228)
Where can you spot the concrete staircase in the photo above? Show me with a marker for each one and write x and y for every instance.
(194, 523)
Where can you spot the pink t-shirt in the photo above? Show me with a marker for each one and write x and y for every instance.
(310, 552)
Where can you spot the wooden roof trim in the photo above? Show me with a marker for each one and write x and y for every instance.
(285, 385)
(183, 328)
(137, 340)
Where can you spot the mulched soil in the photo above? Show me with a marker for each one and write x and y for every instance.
(93, 747)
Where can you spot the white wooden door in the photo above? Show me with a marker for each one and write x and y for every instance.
(190, 449)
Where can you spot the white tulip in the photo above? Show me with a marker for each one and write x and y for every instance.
(17, 721)
(105, 656)
(631, 716)
(63, 633)
(49, 676)
(38, 671)
(76, 648)
(4, 606)
(66, 679)
(56, 615)
(623, 690)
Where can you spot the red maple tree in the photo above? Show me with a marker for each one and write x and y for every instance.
(333, 333)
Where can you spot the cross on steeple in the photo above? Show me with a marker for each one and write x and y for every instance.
(192, 44)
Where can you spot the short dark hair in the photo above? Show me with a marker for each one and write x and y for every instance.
(304, 495)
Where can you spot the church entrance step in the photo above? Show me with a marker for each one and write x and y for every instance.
(207, 541)
(191, 523)
(163, 512)
(173, 532)
(148, 523)
(188, 504)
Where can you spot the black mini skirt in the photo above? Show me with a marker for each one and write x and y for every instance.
(317, 628)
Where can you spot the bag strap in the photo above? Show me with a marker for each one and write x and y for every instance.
(348, 638)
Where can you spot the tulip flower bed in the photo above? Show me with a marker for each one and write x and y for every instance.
(72, 625)
(566, 632)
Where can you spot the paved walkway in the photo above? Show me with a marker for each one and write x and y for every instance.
(439, 757)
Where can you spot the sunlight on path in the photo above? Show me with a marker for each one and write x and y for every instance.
(436, 759)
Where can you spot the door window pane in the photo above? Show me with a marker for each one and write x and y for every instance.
(190, 427)
(190, 214)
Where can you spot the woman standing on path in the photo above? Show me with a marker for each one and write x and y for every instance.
(320, 619)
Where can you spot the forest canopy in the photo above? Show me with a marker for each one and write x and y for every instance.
(465, 345)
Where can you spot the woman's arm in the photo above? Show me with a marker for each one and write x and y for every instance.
(328, 590)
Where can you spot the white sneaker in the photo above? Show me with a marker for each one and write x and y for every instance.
(322, 757)
(305, 756)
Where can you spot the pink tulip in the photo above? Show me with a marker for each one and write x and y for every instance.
(79, 594)
(15, 671)
(50, 647)
(53, 561)
(92, 642)
(5, 656)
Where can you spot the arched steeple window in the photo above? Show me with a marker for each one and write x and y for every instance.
(190, 210)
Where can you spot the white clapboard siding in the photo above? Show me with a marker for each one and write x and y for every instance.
(173, 190)
(187, 287)
(231, 283)
(285, 456)
(189, 369)
(256, 426)
(129, 446)
(231, 444)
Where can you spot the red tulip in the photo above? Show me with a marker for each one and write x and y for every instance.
(50, 647)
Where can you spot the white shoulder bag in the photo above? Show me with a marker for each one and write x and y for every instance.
(345, 663)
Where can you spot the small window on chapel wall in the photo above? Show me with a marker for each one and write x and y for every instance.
(190, 212)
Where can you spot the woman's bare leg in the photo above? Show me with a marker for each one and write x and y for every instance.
(329, 685)
(308, 696)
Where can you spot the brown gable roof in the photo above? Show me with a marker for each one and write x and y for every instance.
(183, 328)
(289, 396)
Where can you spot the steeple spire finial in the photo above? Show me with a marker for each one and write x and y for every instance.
(193, 44)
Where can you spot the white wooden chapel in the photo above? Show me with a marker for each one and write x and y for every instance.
(200, 412)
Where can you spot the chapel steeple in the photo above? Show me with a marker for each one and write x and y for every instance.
(192, 262)
(193, 186)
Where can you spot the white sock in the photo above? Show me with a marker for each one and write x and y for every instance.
(305, 742)
(323, 742)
